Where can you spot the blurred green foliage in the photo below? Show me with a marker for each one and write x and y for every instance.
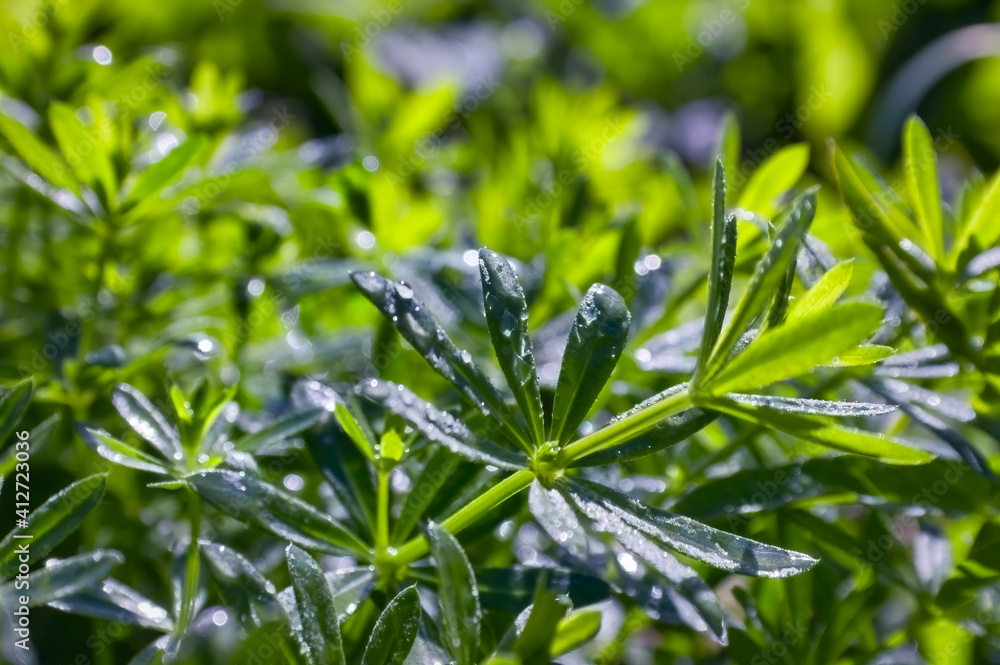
(186, 185)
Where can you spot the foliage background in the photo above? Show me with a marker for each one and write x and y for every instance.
(330, 135)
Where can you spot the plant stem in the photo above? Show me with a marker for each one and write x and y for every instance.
(624, 429)
(468, 515)
(192, 571)
(382, 510)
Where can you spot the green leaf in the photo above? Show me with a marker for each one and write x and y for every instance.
(866, 354)
(920, 167)
(85, 149)
(38, 156)
(825, 292)
(981, 223)
(720, 271)
(875, 214)
(460, 613)
(815, 430)
(595, 344)
(349, 587)
(613, 512)
(670, 431)
(166, 171)
(113, 601)
(576, 630)
(438, 426)
(534, 641)
(65, 577)
(52, 522)
(767, 277)
(395, 631)
(816, 407)
(354, 432)
(13, 406)
(253, 501)
(38, 438)
(241, 585)
(280, 429)
(320, 626)
(147, 421)
(775, 176)
(730, 148)
(443, 477)
(510, 590)
(798, 346)
(119, 452)
(507, 319)
(418, 327)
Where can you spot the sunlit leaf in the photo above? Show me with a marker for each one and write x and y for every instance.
(507, 319)
(147, 421)
(798, 346)
(596, 341)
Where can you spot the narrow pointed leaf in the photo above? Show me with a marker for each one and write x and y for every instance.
(558, 519)
(576, 630)
(349, 588)
(65, 577)
(507, 319)
(395, 631)
(418, 327)
(147, 421)
(982, 222)
(93, 168)
(819, 431)
(864, 354)
(53, 521)
(920, 167)
(720, 272)
(13, 405)
(280, 429)
(166, 171)
(511, 589)
(534, 639)
(817, 407)
(798, 346)
(825, 292)
(775, 176)
(730, 147)
(354, 432)
(691, 597)
(241, 585)
(113, 601)
(722, 550)
(118, 451)
(437, 425)
(767, 277)
(459, 596)
(595, 344)
(320, 625)
(39, 157)
(255, 502)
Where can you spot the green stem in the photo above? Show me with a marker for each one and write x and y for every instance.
(190, 591)
(468, 515)
(624, 429)
(382, 509)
